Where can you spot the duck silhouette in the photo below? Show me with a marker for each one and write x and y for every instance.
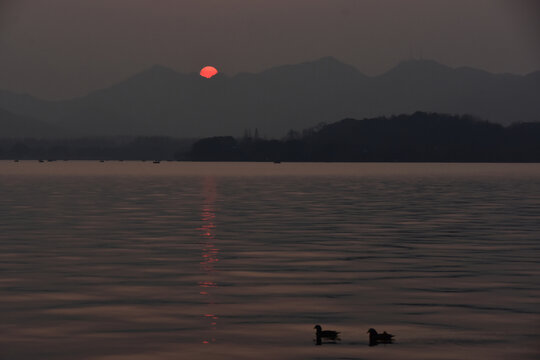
(376, 338)
(328, 335)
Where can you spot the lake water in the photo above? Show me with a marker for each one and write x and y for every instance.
(133, 260)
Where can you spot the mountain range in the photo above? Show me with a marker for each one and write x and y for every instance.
(161, 101)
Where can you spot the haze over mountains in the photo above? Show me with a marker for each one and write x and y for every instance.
(160, 101)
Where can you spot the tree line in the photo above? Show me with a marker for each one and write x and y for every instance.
(426, 137)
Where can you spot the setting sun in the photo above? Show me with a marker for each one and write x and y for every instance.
(208, 72)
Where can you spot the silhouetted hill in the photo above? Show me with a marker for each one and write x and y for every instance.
(418, 137)
(160, 101)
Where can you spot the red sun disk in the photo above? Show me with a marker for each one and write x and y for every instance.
(208, 72)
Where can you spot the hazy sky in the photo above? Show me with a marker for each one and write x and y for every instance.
(64, 48)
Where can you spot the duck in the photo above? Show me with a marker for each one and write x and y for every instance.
(375, 337)
(329, 335)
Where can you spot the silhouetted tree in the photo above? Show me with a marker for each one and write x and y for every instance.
(220, 148)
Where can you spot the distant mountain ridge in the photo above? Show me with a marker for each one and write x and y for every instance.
(161, 101)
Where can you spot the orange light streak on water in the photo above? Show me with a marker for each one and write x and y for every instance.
(209, 253)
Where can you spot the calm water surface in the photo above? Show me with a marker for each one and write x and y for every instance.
(132, 260)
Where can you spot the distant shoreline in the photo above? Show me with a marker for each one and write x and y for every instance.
(419, 137)
(159, 161)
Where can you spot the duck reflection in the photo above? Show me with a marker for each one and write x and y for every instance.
(209, 255)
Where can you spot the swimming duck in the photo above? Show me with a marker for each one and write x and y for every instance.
(330, 335)
(375, 337)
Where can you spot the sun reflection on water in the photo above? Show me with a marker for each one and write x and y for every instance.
(209, 256)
